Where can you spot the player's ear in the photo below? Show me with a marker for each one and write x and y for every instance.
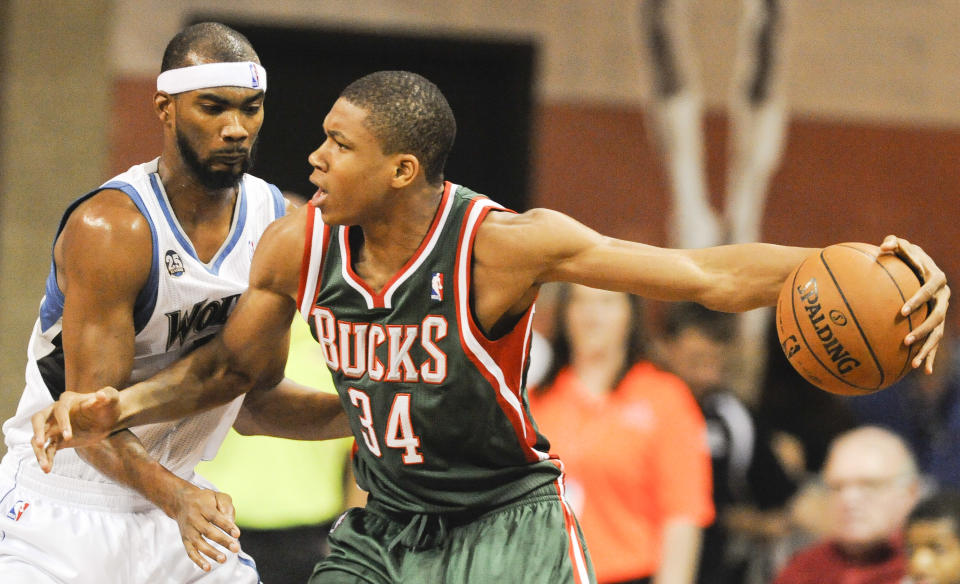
(162, 103)
(406, 167)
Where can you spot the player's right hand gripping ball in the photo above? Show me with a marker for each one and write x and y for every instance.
(838, 318)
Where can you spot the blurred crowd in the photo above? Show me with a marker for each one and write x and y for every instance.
(801, 486)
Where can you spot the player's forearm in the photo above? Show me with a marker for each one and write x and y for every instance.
(745, 276)
(293, 411)
(124, 459)
(204, 379)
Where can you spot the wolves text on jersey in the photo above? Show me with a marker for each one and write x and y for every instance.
(202, 315)
(354, 348)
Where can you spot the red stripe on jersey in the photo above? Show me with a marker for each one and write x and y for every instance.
(426, 245)
(578, 561)
(499, 361)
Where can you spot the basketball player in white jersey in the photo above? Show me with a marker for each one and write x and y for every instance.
(145, 268)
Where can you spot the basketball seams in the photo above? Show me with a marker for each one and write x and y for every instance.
(853, 316)
(803, 337)
(903, 299)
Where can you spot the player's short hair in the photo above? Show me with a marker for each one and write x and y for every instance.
(943, 504)
(721, 327)
(213, 41)
(407, 113)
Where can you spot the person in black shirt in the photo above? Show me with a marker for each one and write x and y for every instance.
(750, 486)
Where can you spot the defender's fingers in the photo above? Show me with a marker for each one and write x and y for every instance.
(51, 451)
(195, 556)
(217, 531)
(226, 519)
(891, 243)
(204, 547)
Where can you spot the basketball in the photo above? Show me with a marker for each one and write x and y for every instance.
(838, 318)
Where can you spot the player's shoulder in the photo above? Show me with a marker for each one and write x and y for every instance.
(288, 232)
(106, 234)
(279, 254)
(108, 213)
(500, 217)
(506, 230)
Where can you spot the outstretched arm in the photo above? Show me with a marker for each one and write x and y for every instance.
(514, 254)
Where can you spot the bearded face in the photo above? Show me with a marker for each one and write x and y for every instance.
(219, 169)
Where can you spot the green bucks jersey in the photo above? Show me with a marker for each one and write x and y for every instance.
(438, 410)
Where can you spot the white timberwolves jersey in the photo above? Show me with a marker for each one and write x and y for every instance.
(184, 303)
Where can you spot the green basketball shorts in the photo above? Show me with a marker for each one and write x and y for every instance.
(533, 540)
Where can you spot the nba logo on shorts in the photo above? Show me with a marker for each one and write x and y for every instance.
(254, 77)
(436, 286)
(17, 510)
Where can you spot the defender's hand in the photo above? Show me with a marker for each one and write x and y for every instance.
(205, 516)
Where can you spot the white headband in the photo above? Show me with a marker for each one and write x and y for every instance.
(240, 74)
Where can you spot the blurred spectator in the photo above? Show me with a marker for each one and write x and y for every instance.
(750, 487)
(925, 411)
(803, 418)
(631, 438)
(871, 485)
(933, 540)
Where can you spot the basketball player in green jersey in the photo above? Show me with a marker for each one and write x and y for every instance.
(420, 294)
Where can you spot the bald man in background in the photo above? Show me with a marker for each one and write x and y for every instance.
(871, 485)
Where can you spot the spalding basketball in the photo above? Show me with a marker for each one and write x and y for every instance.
(839, 322)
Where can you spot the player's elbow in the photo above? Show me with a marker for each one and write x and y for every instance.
(246, 423)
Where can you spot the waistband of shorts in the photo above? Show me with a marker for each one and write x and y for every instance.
(426, 530)
(456, 518)
(26, 474)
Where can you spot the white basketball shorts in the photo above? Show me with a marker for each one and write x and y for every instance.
(53, 532)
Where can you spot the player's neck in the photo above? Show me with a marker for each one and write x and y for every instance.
(204, 214)
(395, 236)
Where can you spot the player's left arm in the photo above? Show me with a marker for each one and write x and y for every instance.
(515, 253)
(294, 411)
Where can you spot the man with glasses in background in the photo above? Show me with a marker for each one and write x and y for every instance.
(871, 485)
